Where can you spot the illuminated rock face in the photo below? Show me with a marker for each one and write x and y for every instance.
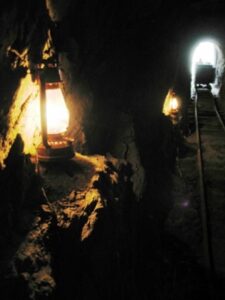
(111, 72)
(99, 121)
(57, 9)
(118, 63)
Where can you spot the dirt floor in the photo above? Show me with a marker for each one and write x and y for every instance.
(89, 239)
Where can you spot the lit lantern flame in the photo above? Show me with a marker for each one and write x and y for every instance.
(174, 104)
(54, 117)
(171, 104)
(56, 110)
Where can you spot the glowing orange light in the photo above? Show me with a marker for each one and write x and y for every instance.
(54, 117)
(56, 110)
(26, 114)
(171, 104)
(174, 104)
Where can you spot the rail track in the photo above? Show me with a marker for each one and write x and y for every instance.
(198, 216)
(210, 141)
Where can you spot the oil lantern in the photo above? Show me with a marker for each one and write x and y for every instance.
(54, 117)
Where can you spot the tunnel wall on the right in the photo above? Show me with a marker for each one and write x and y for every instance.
(221, 94)
(219, 69)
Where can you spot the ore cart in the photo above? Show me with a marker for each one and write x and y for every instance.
(205, 74)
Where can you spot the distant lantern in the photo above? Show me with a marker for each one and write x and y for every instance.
(174, 105)
(171, 103)
(54, 117)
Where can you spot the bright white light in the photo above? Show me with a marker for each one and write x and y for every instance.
(205, 53)
(174, 103)
(57, 112)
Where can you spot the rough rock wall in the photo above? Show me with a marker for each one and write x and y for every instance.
(82, 245)
(114, 78)
(110, 62)
(21, 42)
(25, 31)
(118, 62)
(221, 94)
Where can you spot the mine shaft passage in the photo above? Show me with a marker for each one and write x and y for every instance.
(203, 64)
(207, 65)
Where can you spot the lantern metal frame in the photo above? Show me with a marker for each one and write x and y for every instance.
(54, 147)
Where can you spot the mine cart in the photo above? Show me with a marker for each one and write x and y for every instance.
(205, 74)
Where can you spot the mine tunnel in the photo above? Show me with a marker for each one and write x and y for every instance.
(207, 66)
(112, 152)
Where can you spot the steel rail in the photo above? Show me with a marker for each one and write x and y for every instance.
(219, 116)
(207, 244)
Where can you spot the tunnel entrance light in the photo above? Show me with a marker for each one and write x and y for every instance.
(204, 59)
(206, 67)
(204, 53)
